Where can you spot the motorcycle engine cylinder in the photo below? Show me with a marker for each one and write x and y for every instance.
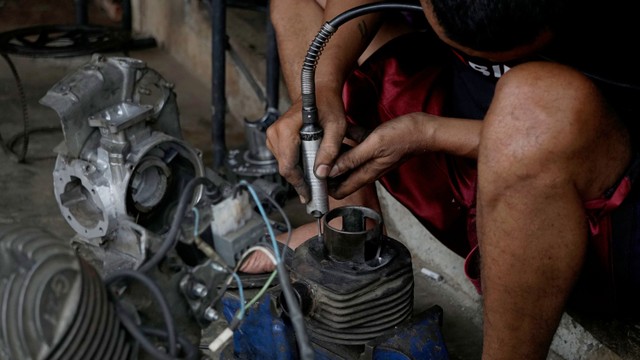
(353, 283)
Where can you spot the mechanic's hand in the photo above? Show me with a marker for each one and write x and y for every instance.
(382, 150)
(283, 139)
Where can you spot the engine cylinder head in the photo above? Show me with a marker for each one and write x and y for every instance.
(53, 304)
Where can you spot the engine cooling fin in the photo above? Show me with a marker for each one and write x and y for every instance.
(353, 283)
(53, 304)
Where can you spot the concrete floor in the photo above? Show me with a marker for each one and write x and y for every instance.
(26, 195)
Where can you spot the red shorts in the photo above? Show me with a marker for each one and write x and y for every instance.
(440, 189)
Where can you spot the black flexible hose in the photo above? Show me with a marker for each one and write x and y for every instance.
(172, 235)
(159, 297)
(139, 336)
(20, 158)
(189, 350)
(320, 41)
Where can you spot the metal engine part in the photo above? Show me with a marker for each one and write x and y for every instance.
(353, 283)
(256, 160)
(53, 304)
(256, 164)
(235, 227)
(123, 159)
(62, 40)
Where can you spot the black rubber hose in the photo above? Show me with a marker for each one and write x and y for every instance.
(159, 297)
(190, 351)
(20, 158)
(320, 41)
(139, 336)
(172, 235)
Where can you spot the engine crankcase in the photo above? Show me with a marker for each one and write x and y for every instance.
(123, 160)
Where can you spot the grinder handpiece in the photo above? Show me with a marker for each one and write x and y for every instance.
(310, 138)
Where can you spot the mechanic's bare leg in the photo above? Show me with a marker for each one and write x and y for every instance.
(548, 144)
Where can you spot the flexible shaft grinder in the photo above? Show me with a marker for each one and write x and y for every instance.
(311, 132)
(311, 136)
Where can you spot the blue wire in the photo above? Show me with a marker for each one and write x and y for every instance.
(241, 309)
(264, 217)
(196, 221)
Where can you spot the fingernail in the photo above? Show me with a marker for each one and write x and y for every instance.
(322, 171)
(303, 199)
(334, 171)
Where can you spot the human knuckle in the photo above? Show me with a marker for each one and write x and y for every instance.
(285, 170)
(272, 131)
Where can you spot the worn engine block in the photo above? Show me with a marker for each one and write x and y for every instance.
(123, 159)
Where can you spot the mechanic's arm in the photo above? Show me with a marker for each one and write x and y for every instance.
(296, 23)
(394, 141)
(382, 150)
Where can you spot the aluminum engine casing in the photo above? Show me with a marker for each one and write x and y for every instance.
(122, 162)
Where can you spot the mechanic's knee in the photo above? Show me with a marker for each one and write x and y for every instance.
(546, 99)
(548, 124)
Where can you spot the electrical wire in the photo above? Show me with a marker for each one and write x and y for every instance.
(245, 255)
(234, 273)
(139, 336)
(189, 350)
(9, 145)
(196, 222)
(223, 337)
(206, 248)
(295, 314)
(25, 115)
(13, 141)
(262, 249)
(171, 237)
(227, 333)
(157, 294)
(210, 252)
(284, 217)
(226, 284)
(262, 290)
(294, 309)
(266, 220)
(240, 313)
